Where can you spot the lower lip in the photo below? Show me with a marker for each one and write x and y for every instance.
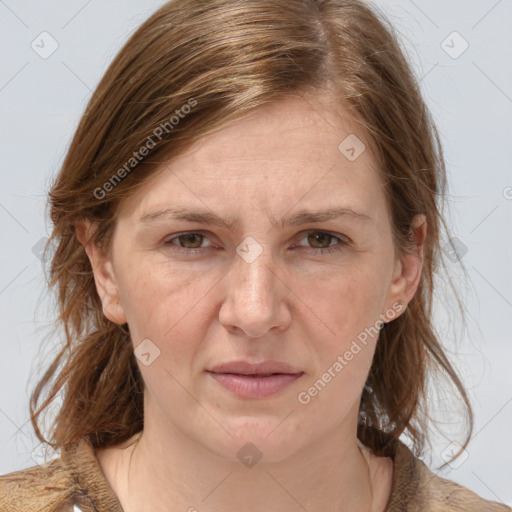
(255, 387)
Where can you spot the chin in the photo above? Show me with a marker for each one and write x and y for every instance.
(254, 440)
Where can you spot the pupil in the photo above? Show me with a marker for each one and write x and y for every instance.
(318, 235)
(191, 237)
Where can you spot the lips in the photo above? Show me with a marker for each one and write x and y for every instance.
(255, 369)
(249, 380)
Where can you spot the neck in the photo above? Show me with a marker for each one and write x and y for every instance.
(163, 468)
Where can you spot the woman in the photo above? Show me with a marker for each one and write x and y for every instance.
(247, 226)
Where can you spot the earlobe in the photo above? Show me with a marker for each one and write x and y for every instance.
(408, 270)
(104, 276)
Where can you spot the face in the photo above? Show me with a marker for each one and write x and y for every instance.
(282, 282)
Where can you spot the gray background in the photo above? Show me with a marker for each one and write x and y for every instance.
(470, 95)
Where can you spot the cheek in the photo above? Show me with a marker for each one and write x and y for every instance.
(351, 300)
(162, 302)
(349, 305)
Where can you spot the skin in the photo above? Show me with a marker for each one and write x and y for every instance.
(292, 304)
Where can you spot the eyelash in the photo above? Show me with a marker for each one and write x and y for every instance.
(326, 250)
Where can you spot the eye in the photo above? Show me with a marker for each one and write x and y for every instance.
(193, 242)
(186, 240)
(323, 237)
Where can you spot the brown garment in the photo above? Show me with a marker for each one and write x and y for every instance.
(75, 482)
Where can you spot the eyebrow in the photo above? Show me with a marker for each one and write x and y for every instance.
(295, 219)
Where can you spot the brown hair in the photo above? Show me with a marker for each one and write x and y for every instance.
(224, 58)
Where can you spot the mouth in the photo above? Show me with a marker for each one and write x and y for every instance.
(254, 386)
(255, 374)
(265, 368)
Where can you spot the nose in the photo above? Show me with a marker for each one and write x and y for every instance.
(256, 297)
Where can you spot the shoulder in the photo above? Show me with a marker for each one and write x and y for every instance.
(416, 487)
(45, 488)
(72, 482)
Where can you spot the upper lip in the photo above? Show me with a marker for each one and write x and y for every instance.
(246, 368)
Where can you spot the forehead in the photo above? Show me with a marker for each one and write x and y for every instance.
(296, 149)
(297, 128)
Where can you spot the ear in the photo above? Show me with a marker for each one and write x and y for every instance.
(103, 269)
(408, 269)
